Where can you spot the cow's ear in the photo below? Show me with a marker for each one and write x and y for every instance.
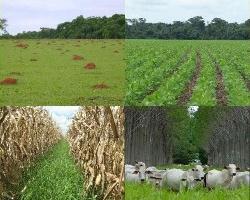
(136, 162)
(237, 168)
(225, 167)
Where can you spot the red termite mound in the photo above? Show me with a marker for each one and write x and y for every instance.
(76, 57)
(8, 81)
(90, 66)
(100, 86)
(21, 45)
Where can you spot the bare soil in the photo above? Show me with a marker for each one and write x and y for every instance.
(186, 95)
(100, 86)
(90, 66)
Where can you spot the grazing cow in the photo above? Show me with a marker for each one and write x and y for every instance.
(241, 178)
(135, 173)
(150, 170)
(220, 178)
(177, 179)
(156, 178)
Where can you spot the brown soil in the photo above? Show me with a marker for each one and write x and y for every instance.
(100, 86)
(90, 66)
(22, 45)
(188, 91)
(221, 94)
(247, 81)
(76, 57)
(8, 81)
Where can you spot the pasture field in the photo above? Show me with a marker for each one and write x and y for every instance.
(62, 72)
(172, 72)
(148, 192)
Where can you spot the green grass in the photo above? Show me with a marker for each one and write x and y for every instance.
(148, 192)
(54, 176)
(55, 78)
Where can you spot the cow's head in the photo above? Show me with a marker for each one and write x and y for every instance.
(198, 172)
(231, 168)
(140, 169)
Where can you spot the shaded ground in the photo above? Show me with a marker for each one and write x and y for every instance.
(55, 176)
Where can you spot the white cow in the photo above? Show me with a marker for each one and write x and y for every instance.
(130, 175)
(135, 173)
(241, 178)
(156, 178)
(178, 179)
(220, 178)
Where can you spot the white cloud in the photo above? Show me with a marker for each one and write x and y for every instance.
(173, 10)
(62, 115)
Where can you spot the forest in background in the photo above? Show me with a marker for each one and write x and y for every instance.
(162, 135)
(194, 28)
(80, 28)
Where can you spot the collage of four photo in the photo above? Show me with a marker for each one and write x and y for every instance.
(124, 99)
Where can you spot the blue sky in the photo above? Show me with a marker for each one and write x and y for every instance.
(62, 115)
(29, 15)
(181, 10)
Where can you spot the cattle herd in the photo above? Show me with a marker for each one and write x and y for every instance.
(178, 179)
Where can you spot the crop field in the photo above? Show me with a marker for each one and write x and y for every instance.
(187, 72)
(62, 72)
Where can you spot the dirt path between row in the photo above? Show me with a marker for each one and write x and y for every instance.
(245, 79)
(186, 95)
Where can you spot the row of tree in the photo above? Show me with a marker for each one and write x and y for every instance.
(80, 28)
(193, 28)
(161, 135)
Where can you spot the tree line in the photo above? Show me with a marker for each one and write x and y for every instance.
(161, 135)
(80, 28)
(192, 29)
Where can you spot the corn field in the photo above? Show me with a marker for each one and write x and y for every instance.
(96, 139)
(25, 133)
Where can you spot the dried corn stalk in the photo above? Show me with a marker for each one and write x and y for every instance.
(96, 139)
(25, 133)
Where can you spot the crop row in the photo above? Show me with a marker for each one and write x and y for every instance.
(162, 73)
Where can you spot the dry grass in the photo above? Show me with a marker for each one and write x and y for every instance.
(97, 142)
(25, 133)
